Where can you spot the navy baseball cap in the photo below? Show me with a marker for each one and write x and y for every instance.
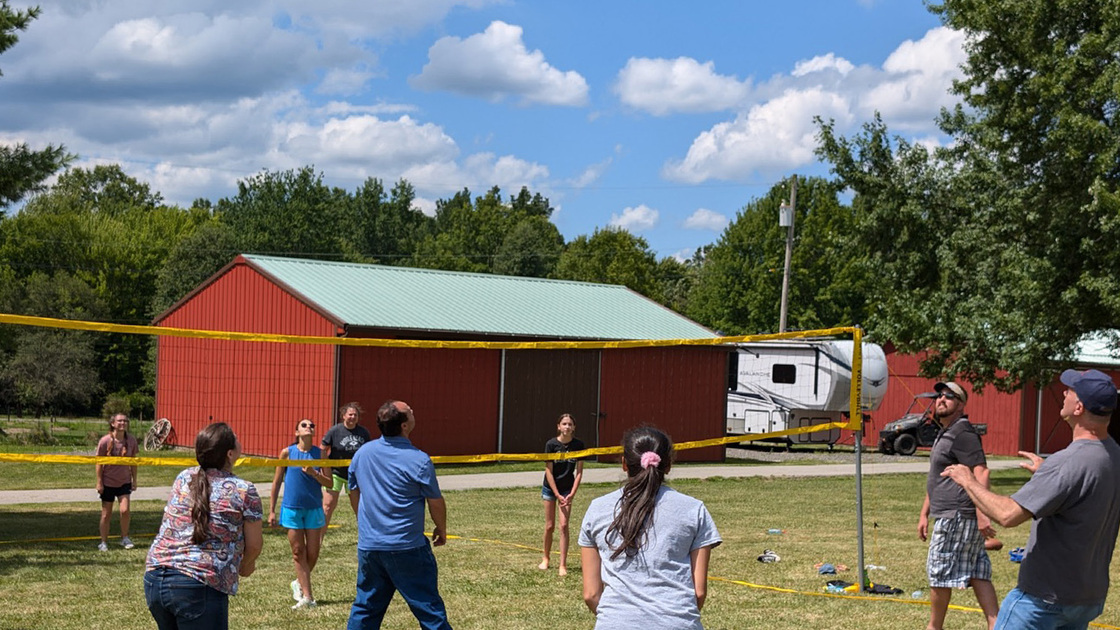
(1094, 388)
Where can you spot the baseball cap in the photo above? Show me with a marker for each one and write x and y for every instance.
(1094, 388)
(956, 389)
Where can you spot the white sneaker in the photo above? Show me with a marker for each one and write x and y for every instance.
(297, 592)
(305, 602)
(102, 547)
(126, 542)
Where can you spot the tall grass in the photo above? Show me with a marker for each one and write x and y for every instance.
(52, 581)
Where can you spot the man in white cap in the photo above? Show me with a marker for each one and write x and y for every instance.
(1073, 501)
(957, 557)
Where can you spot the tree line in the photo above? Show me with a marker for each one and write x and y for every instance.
(990, 255)
(101, 245)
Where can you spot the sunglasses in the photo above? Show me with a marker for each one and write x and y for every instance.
(307, 425)
(950, 396)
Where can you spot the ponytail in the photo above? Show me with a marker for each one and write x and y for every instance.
(647, 452)
(211, 450)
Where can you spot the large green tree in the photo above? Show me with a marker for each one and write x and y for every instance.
(110, 232)
(22, 169)
(612, 256)
(994, 252)
(489, 235)
(51, 370)
(739, 287)
(289, 213)
(383, 228)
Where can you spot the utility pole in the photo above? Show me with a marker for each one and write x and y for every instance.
(785, 219)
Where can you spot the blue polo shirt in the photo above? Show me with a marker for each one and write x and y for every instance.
(395, 479)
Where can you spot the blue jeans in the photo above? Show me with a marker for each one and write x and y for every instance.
(412, 572)
(1022, 610)
(179, 602)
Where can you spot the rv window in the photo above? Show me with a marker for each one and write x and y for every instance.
(784, 373)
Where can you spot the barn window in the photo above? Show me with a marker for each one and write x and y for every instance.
(784, 373)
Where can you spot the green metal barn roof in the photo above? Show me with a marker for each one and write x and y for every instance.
(447, 301)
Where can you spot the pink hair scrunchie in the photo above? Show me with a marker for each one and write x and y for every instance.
(649, 458)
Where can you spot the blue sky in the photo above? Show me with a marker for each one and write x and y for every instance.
(663, 118)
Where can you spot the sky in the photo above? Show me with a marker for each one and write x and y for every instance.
(664, 118)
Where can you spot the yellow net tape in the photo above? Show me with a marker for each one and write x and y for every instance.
(264, 462)
(48, 322)
(855, 421)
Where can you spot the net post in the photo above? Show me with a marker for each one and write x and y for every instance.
(856, 416)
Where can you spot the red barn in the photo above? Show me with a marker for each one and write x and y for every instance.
(467, 401)
(1026, 420)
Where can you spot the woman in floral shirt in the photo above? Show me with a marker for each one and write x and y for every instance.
(211, 534)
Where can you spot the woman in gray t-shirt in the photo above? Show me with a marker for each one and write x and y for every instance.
(645, 547)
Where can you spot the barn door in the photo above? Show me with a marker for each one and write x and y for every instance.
(540, 385)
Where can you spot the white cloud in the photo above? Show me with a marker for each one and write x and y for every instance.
(704, 219)
(591, 174)
(776, 135)
(345, 81)
(373, 144)
(683, 255)
(495, 64)
(823, 63)
(666, 86)
(377, 18)
(636, 219)
(478, 172)
(917, 79)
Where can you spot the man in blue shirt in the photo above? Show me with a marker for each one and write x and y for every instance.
(395, 480)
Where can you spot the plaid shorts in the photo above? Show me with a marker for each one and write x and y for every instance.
(956, 553)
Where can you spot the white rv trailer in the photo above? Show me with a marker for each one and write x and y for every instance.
(780, 385)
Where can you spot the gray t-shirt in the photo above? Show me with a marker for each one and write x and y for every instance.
(1075, 500)
(653, 589)
(957, 444)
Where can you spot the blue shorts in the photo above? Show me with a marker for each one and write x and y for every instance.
(1023, 610)
(300, 518)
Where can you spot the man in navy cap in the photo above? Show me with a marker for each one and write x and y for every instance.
(1073, 499)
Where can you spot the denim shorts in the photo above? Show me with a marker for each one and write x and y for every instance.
(546, 492)
(299, 518)
(1023, 610)
(180, 602)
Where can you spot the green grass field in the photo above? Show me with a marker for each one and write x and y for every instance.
(54, 577)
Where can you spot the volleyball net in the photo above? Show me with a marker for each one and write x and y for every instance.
(496, 401)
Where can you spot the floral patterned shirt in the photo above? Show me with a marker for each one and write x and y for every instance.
(215, 562)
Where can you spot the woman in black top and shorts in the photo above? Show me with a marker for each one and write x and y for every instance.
(561, 481)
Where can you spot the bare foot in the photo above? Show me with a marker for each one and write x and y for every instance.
(543, 566)
(563, 571)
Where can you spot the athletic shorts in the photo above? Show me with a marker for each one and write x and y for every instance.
(340, 484)
(956, 553)
(109, 494)
(300, 518)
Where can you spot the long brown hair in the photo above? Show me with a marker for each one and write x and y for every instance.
(211, 449)
(639, 495)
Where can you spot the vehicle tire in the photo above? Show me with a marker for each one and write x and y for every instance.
(905, 444)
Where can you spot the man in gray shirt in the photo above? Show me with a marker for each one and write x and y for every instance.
(957, 557)
(1073, 499)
